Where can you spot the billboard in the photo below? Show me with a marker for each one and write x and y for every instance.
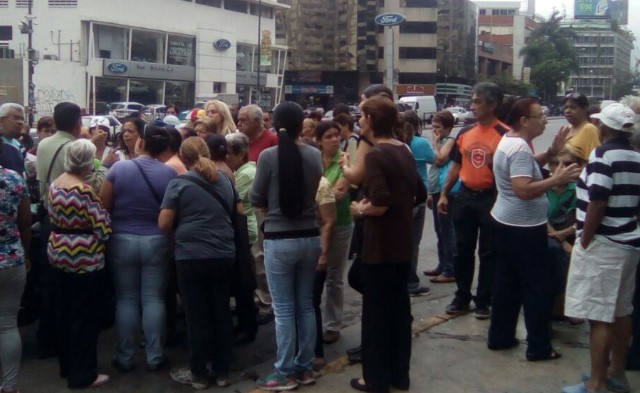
(602, 9)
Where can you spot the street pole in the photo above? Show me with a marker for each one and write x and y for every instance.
(388, 56)
(30, 70)
(259, 48)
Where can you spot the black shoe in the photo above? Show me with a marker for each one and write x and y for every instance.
(263, 318)
(158, 366)
(457, 307)
(482, 312)
(354, 350)
(420, 291)
(120, 367)
(497, 347)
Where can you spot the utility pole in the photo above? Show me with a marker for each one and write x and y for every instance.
(27, 28)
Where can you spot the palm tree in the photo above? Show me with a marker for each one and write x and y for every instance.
(550, 40)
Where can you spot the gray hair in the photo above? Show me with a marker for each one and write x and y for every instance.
(8, 107)
(255, 113)
(238, 143)
(633, 102)
(490, 91)
(79, 156)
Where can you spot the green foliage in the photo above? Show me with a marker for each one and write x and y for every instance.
(550, 55)
(511, 86)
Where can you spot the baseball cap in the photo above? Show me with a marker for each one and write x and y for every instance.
(617, 116)
(100, 121)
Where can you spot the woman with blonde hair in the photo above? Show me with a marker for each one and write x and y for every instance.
(205, 256)
(220, 112)
(205, 127)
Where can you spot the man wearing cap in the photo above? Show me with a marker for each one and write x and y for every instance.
(604, 260)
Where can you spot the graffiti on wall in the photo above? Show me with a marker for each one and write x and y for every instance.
(47, 98)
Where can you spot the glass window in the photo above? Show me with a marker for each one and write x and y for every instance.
(180, 94)
(6, 33)
(420, 3)
(244, 57)
(147, 46)
(181, 50)
(111, 90)
(146, 91)
(236, 5)
(63, 3)
(267, 12)
(416, 53)
(418, 28)
(210, 3)
(111, 42)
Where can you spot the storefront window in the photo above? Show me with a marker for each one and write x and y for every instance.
(244, 57)
(180, 94)
(111, 42)
(110, 90)
(147, 46)
(146, 91)
(181, 50)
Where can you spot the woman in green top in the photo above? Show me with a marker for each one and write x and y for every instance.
(328, 138)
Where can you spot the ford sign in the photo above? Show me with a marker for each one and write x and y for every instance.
(389, 19)
(222, 44)
(117, 68)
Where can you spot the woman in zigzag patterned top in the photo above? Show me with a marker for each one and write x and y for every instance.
(80, 227)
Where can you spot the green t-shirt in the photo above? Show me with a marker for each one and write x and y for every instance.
(333, 173)
(562, 207)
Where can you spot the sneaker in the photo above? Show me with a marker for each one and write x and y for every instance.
(306, 378)
(276, 381)
(615, 384)
(183, 375)
(420, 291)
(222, 381)
(457, 307)
(482, 312)
(330, 336)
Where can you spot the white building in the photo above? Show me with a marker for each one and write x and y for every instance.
(152, 51)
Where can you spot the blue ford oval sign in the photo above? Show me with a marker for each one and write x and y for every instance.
(389, 19)
(222, 44)
(117, 68)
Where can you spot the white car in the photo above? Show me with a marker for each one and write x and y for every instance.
(459, 114)
(123, 110)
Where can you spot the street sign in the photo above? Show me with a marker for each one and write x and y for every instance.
(389, 19)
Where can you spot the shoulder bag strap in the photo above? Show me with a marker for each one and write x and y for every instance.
(209, 189)
(53, 161)
(146, 180)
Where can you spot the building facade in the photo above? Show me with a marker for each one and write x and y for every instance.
(604, 57)
(160, 51)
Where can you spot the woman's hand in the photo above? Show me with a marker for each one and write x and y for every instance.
(430, 202)
(565, 174)
(110, 159)
(443, 204)
(559, 141)
(322, 264)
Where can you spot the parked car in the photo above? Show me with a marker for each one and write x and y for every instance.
(459, 114)
(155, 111)
(470, 119)
(114, 123)
(122, 110)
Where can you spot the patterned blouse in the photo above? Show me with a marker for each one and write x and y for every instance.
(80, 227)
(13, 189)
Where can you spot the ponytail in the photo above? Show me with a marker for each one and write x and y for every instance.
(288, 118)
(195, 154)
(206, 168)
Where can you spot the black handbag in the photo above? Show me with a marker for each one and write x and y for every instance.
(244, 268)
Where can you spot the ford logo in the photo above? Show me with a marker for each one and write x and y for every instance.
(222, 44)
(389, 19)
(117, 68)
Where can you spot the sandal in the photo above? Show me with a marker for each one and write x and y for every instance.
(553, 355)
(432, 272)
(361, 385)
(442, 279)
(101, 379)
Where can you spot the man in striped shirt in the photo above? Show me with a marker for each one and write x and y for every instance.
(602, 275)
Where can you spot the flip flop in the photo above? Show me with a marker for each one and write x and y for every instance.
(442, 279)
(101, 379)
(553, 355)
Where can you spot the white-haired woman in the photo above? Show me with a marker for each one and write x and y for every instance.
(220, 113)
(80, 227)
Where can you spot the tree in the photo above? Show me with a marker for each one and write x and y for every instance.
(549, 52)
(511, 86)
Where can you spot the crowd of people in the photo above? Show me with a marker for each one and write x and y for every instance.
(272, 209)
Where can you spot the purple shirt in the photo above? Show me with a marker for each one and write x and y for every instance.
(135, 208)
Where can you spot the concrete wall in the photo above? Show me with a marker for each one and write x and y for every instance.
(11, 81)
(68, 85)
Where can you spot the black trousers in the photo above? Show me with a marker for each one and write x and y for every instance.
(386, 324)
(79, 317)
(471, 216)
(46, 333)
(318, 288)
(205, 288)
(523, 279)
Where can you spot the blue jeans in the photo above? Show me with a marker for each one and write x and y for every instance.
(443, 224)
(290, 266)
(140, 272)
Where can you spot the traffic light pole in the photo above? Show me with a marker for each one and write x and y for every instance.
(30, 60)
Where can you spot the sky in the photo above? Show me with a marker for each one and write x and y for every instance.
(546, 7)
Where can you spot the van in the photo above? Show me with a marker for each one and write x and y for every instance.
(424, 106)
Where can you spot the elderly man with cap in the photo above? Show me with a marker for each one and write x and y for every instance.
(601, 280)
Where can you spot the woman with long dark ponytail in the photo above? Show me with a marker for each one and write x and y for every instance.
(285, 188)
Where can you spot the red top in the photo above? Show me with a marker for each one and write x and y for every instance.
(267, 139)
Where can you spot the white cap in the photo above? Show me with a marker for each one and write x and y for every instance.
(100, 121)
(172, 120)
(617, 116)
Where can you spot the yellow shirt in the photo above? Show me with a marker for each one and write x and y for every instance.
(585, 138)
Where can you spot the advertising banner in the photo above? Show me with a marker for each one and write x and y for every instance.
(602, 9)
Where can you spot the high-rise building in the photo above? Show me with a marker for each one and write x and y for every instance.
(604, 57)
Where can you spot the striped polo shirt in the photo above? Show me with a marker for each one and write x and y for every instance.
(612, 174)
